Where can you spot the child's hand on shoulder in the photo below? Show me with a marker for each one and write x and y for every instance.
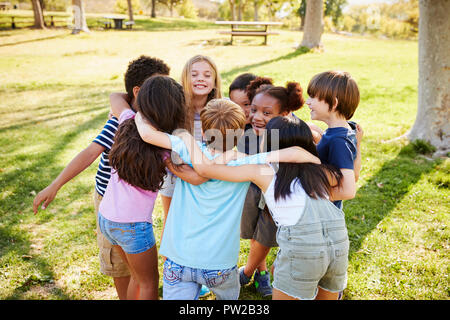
(228, 156)
(316, 131)
(359, 133)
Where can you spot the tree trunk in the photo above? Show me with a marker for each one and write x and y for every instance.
(153, 9)
(79, 17)
(240, 11)
(255, 5)
(130, 10)
(38, 15)
(433, 121)
(313, 24)
(232, 9)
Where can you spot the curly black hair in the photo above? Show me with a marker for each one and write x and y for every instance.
(140, 69)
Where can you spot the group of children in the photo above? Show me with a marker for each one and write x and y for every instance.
(225, 168)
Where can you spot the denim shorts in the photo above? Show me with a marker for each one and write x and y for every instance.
(133, 238)
(313, 253)
(184, 283)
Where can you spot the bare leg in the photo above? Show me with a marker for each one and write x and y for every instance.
(326, 295)
(121, 284)
(166, 206)
(144, 274)
(144, 268)
(256, 258)
(278, 295)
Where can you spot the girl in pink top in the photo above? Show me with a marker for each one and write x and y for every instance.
(125, 213)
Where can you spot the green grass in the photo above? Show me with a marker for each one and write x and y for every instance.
(54, 99)
(24, 19)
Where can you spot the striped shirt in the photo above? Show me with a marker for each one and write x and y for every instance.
(105, 139)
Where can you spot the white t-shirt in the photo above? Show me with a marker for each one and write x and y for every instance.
(286, 212)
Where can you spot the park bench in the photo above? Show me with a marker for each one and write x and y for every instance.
(13, 22)
(261, 32)
(105, 23)
(4, 6)
(129, 24)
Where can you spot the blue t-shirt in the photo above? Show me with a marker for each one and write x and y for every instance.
(105, 139)
(338, 148)
(202, 226)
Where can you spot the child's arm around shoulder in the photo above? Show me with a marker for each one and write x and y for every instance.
(150, 134)
(119, 103)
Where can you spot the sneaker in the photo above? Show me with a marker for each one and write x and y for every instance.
(262, 283)
(204, 291)
(243, 279)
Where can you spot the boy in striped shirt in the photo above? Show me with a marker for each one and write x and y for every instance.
(111, 263)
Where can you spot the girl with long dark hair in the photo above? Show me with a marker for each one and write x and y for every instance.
(125, 213)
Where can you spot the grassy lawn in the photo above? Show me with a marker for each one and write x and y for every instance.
(54, 100)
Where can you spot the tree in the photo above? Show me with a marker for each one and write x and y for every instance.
(302, 13)
(256, 5)
(79, 17)
(432, 121)
(170, 4)
(130, 10)
(333, 9)
(153, 15)
(38, 15)
(313, 24)
(232, 9)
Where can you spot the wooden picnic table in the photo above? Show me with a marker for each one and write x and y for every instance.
(5, 5)
(237, 30)
(118, 21)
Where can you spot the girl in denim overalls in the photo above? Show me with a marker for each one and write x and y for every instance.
(312, 236)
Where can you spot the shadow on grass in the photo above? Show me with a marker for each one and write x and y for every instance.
(14, 241)
(55, 117)
(60, 36)
(229, 76)
(380, 195)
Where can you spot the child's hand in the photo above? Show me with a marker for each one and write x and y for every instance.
(46, 195)
(359, 134)
(316, 131)
(228, 156)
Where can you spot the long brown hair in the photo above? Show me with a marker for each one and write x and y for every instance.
(161, 102)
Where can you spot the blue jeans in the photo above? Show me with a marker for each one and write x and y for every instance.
(184, 283)
(133, 238)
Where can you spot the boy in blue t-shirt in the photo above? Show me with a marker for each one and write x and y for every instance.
(333, 99)
(201, 237)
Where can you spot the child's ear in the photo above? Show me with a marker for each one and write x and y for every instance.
(135, 91)
(335, 104)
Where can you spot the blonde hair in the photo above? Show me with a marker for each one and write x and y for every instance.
(224, 118)
(216, 93)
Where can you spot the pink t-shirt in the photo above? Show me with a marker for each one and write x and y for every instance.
(123, 202)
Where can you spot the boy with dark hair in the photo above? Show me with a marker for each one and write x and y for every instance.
(111, 263)
(238, 94)
(333, 99)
